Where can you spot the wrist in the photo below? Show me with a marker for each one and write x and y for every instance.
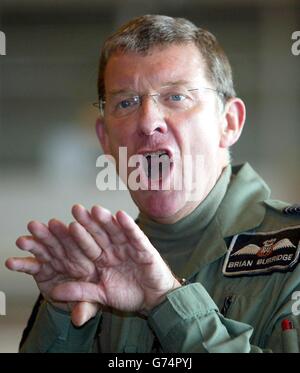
(177, 283)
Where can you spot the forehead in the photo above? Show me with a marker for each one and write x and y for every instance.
(160, 65)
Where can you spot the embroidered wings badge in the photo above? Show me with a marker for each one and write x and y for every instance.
(263, 252)
(266, 249)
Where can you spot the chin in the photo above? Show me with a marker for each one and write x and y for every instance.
(159, 204)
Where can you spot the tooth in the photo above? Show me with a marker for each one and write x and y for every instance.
(157, 153)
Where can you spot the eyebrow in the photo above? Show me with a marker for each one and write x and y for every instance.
(116, 92)
(177, 82)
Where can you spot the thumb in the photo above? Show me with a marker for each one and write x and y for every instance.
(83, 312)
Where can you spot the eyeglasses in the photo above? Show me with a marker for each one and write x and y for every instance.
(170, 99)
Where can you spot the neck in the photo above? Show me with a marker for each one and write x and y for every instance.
(189, 207)
(180, 214)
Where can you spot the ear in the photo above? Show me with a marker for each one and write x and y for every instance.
(102, 135)
(234, 116)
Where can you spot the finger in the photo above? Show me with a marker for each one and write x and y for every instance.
(108, 222)
(72, 250)
(29, 265)
(43, 234)
(139, 247)
(83, 312)
(84, 218)
(29, 243)
(85, 241)
(77, 291)
(133, 232)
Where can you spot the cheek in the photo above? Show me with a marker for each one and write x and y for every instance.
(119, 135)
(199, 134)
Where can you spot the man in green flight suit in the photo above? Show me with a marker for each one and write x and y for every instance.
(207, 267)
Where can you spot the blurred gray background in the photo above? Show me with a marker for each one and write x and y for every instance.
(48, 147)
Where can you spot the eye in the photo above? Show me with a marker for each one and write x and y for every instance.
(177, 97)
(128, 102)
(124, 104)
(177, 100)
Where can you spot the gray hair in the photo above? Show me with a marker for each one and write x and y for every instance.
(143, 33)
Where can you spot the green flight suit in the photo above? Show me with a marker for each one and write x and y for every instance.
(231, 307)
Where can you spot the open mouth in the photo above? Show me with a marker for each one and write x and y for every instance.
(157, 165)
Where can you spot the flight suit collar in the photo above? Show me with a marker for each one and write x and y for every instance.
(242, 209)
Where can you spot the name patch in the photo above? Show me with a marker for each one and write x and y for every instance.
(263, 252)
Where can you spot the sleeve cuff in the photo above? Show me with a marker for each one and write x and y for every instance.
(189, 321)
(182, 304)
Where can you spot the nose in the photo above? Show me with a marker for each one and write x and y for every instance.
(151, 118)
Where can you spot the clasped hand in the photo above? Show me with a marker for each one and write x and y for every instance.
(98, 260)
